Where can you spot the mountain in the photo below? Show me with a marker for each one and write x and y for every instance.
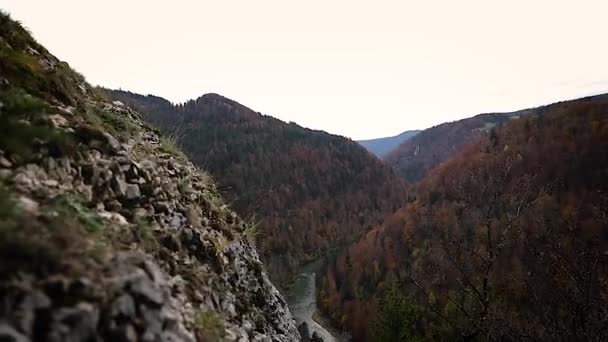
(310, 192)
(382, 146)
(505, 240)
(107, 232)
(415, 157)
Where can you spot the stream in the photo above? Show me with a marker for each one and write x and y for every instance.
(302, 301)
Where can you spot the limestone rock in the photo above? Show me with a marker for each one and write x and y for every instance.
(146, 290)
(132, 191)
(5, 163)
(119, 186)
(58, 121)
(28, 205)
(9, 334)
(114, 217)
(112, 142)
(123, 306)
(77, 323)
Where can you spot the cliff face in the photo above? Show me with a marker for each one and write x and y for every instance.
(107, 232)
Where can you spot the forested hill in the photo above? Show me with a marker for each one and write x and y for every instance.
(507, 240)
(310, 191)
(415, 157)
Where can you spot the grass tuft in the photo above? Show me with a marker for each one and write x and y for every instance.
(251, 231)
(63, 232)
(209, 326)
(220, 244)
(21, 129)
(170, 144)
(67, 205)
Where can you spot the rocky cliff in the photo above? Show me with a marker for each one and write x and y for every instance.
(107, 231)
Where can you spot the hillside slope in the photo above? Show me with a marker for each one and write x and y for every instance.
(506, 240)
(382, 146)
(415, 157)
(310, 191)
(107, 233)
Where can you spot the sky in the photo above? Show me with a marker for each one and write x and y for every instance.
(362, 69)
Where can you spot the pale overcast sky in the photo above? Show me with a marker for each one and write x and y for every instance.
(362, 69)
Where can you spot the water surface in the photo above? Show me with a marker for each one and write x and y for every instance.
(302, 301)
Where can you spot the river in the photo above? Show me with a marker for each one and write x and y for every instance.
(302, 301)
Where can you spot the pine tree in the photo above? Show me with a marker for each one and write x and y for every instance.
(396, 317)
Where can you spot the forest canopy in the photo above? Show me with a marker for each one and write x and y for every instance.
(506, 240)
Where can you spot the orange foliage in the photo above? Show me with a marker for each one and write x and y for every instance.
(506, 238)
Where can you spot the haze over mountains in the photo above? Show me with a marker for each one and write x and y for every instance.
(382, 146)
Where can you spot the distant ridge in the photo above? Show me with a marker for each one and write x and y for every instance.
(382, 146)
(415, 157)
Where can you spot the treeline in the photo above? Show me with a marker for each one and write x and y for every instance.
(508, 240)
(309, 192)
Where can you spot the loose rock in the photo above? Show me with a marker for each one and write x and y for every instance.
(9, 334)
(132, 191)
(5, 163)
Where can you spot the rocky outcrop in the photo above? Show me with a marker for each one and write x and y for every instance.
(305, 334)
(107, 232)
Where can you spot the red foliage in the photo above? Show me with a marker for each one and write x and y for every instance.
(506, 238)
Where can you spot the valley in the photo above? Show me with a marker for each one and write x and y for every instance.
(129, 217)
(454, 176)
(308, 192)
(354, 280)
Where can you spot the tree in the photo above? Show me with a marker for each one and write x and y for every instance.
(479, 217)
(396, 317)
